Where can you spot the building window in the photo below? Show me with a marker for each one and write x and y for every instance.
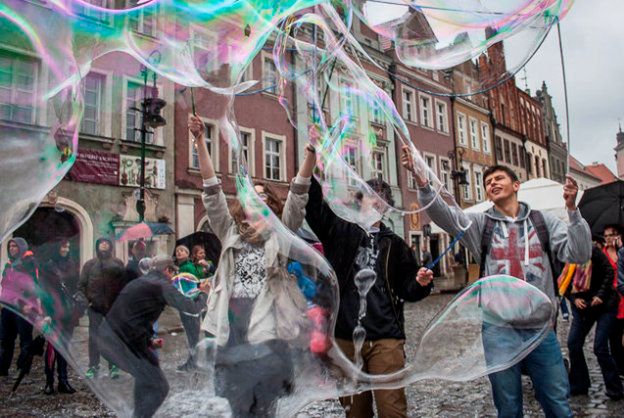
(499, 148)
(274, 158)
(442, 116)
(474, 134)
(426, 112)
(445, 174)
(93, 87)
(143, 20)
(17, 88)
(269, 75)
(409, 106)
(467, 188)
(246, 141)
(537, 166)
(350, 157)
(376, 115)
(544, 167)
(209, 134)
(461, 129)
(348, 99)
(485, 137)
(378, 170)
(478, 183)
(93, 13)
(134, 97)
(529, 163)
(507, 151)
(203, 42)
(514, 155)
(248, 73)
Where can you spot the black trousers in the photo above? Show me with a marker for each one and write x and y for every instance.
(13, 325)
(150, 384)
(191, 326)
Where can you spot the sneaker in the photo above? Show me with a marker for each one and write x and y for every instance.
(188, 366)
(91, 373)
(114, 372)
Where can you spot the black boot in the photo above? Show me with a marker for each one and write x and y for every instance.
(49, 387)
(65, 387)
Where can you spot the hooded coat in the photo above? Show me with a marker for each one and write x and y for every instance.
(396, 269)
(515, 249)
(19, 277)
(102, 278)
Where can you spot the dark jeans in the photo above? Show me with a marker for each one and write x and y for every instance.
(615, 343)
(583, 321)
(95, 320)
(12, 325)
(54, 358)
(150, 384)
(191, 326)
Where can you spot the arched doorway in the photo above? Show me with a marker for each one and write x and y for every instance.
(46, 228)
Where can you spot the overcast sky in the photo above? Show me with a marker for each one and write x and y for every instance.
(593, 44)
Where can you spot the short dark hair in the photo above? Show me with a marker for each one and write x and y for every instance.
(382, 189)
(616, 227)
(499, 167)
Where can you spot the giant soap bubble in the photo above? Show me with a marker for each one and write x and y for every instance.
(269, 344)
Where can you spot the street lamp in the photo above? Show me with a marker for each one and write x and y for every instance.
(150, 117)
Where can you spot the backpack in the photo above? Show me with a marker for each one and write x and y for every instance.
(537, 218)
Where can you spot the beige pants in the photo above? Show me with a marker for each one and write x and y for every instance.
(379, 357)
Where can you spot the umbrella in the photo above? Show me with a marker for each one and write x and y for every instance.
(144, 230)
(603, 205)
(211, 244)
(35, 349)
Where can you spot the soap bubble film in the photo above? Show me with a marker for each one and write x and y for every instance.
(264, 348)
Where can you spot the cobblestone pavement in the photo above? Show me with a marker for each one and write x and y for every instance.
(430, 398)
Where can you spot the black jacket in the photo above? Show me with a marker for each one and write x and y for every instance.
(396, 270)
(601, 284)
(139, 305)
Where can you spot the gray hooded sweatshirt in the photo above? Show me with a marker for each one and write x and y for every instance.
(515, 249)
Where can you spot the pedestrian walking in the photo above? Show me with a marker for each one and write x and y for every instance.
(251, 285)
(350, 249)
(21, 266)
(593, 301)
(126, 335)
(59, 278)
(514, 240)
(101, 280)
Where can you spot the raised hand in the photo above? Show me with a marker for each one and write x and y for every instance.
(424, 276)
(196, 126)
(570, 191)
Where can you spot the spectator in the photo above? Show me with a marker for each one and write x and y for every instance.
(529, 240)
(205, 268)
(21, 266)
(350, 249)
(426, 257)
(137, 254)
(593, 301)
(101, 280)
(613, 238)
(125, 336)
(59, 277)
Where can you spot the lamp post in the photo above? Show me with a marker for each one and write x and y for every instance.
(458, 173)
(150, 117)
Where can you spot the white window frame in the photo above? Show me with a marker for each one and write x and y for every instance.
(157, 136)
(35, 84)
(282, 156)
(448, 183)
(214, 143)
(485, 138)
(462, 129)
(412, 103)
(248, 73)
(473, 130)
(103, 110)
(199, 32)
(426, 120)
(355, 165)
(346, 97)
(269, 88)
(141, 19)
(379, 151)
(442, 123)
(435, 162)
(94, 14)
(250, 152)
(466, 191)
(478, 184)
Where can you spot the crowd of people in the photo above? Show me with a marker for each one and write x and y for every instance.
(254, 362)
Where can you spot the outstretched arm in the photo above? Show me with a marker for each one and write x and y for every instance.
(295, 208)
(196, 126)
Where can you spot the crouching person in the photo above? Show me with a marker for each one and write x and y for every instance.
(125, 336)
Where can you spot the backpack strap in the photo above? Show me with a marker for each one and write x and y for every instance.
(486, 240)
(537, 218)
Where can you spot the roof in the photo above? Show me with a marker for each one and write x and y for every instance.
(576, 165)
(602, 172)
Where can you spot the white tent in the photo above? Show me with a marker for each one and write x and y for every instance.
(541, 194)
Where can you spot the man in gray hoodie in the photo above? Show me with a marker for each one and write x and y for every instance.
(514, 248)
